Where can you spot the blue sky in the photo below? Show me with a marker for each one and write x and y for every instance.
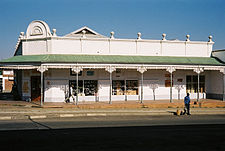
(176, 18)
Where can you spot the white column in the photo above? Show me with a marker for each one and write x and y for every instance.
(198, 71)
(142, 70)
(42, 69)
(77, 70)
(171, 70)
(110, 69)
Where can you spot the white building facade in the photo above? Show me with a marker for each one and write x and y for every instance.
(91, 67)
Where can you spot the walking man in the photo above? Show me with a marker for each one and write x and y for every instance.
(187, 104)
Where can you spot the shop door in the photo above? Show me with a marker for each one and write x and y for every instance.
(35, 88)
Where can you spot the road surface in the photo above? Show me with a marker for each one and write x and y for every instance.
(157, 133)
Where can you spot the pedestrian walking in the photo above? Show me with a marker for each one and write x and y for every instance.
(187, 101)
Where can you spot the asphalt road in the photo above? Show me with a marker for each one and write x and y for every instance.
(155, 133)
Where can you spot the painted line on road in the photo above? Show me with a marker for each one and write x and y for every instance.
(5, 118)
(96, 114)
(38, 116)
(66, 115)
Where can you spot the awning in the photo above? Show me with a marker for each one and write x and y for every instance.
(111, 59)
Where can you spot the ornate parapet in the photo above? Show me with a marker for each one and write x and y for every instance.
(38, 29)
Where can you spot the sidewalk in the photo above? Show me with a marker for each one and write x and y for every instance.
(25, 110)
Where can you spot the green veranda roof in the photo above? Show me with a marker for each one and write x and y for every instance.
(114, 59)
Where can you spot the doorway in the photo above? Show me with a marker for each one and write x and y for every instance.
(35, 88)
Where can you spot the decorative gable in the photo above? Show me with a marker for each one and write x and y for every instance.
(38, 29)
(85, 32)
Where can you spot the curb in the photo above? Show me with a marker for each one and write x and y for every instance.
(45, 116)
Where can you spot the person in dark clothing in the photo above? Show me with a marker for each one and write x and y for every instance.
(187, 104)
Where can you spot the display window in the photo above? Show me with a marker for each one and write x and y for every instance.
(192, 84)
(85, 87)
(131, 87)
(73, 87)
(118, 87)
(90, 87)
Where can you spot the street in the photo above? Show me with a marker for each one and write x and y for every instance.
(205, 132)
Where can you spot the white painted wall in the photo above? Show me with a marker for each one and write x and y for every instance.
(39, 40)
(95, 47)
(63, 45)
(60, 46)
(57, 80)
(215, 82)
(149, 48)
(34, 47)
(173, 48)
(195, 49)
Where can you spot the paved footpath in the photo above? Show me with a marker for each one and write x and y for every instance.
(10, 110)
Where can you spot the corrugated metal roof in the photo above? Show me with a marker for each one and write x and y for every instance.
(114, 59)
(219, 54)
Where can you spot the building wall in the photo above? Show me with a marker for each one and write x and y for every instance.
(62, 45)
(39, 40)
(33, 47)
(57, 84)
(215, 85)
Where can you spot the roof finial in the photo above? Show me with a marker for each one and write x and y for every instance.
(83, 32)
(164, 36)
(210, 38)
(54, 32)
(112, 35)
(21, 34)
(188, 37)
(139, 35)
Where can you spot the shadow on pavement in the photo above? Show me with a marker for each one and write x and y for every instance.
(37, 124)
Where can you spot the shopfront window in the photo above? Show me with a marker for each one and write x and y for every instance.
(73, 87)
(132, 87)
(118, 87)
(192, 84)
(90, 87)
(86, 87)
